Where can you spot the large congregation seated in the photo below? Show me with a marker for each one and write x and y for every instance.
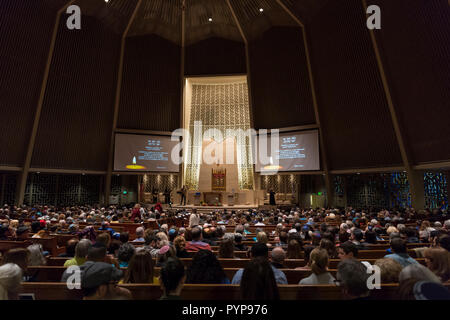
(151, 253)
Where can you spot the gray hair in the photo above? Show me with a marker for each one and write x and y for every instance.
(278, 255)
(353, 276)
(139, 231)
(447, 224)
(10, 279)
(419, 272)
(82, 248)
(239, 229)
(228, 235)
(36, 255)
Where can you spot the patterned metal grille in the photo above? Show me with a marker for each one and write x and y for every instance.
(62, 190)
(281, 183)
(220, 107)
(377, 190)
(159, 182)
(436, 190)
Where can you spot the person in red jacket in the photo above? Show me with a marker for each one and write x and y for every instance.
(158, 207)
(136, 213)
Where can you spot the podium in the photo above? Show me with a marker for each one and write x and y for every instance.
(197, 197)
(231, 199)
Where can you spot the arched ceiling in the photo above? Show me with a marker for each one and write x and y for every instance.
(203, 18)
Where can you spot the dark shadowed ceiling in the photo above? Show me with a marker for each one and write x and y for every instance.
(164, 17)
(81, 90)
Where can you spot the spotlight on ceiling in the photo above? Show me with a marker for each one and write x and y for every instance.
(106, 1)
(210, 19)
(261, 10)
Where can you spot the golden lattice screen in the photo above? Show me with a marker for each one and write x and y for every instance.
(220, 106)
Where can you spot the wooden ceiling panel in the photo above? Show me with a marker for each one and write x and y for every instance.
(198, 26)
(159, 17)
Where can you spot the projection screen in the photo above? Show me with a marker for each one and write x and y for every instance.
(297, 151)
(135, 152)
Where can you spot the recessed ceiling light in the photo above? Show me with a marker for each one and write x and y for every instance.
(261, 9)
(106, 1)
(210, 19)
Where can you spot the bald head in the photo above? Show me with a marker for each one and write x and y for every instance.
(278, 255)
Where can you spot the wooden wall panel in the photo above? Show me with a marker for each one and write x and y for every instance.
(357, 125)
(150, 96)
(415, 45)
(76, 120)
(26, 30)
(281, 91)
(215, 56)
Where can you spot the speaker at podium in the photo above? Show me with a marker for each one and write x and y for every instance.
(231, 198)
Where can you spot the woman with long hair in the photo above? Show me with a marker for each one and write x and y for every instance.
(319, 268)
(206, 269)
(294, 250)
(258, 281)
(226, 248)
(36, 256)
(141, 269)
(438, 261)
(330, 247)
(180, 247)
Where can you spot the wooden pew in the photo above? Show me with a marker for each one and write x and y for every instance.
(54, 273)
(236, 263)
(6, 245)
(59, 291)
(49, 244)
(56, 261)
(61, 239)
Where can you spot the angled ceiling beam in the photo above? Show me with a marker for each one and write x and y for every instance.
(415, 177)
(117, 102)
(183, 82)
(247, 62)
(328, 184)
(20, 191)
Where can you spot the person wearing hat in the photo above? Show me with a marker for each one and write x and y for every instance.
(99, 282)
(173, 233)
(22, 233)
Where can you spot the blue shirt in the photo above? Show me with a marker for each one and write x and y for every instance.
(402, 258)
(280, 277)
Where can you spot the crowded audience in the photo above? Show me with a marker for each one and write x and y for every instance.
(175, 248)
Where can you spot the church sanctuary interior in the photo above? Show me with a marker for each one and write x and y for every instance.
(224, 150)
